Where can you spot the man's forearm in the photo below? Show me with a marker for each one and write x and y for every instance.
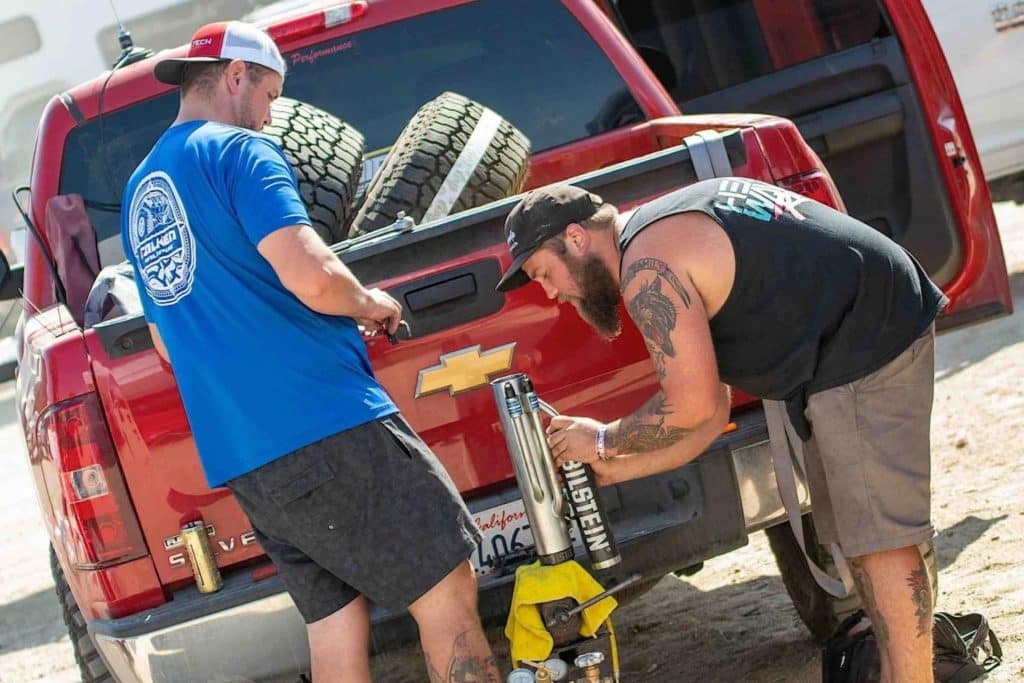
(647, 442)
(336, 292)
(313, 273)
(645, 430)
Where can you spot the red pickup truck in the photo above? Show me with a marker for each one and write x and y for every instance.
(598, 87)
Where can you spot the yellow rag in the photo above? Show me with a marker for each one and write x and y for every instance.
(535, 583)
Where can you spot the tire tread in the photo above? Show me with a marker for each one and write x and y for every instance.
(327, 156)
(90, 664)
(417, 164)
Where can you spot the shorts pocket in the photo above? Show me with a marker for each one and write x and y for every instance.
(292, 480)
(401, 434)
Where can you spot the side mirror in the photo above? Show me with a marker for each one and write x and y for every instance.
(11, 279)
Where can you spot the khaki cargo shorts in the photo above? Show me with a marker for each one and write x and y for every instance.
(868, 462)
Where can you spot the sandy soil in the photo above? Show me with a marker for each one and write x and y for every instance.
(733, 621)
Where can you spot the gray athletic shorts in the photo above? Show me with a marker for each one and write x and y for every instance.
(366, 511)
(868, 462)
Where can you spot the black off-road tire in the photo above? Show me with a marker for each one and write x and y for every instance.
(420, 160)
(821, 612)
(327, 155)
(90, 664)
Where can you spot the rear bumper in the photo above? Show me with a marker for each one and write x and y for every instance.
(663, 524)
(262, 638)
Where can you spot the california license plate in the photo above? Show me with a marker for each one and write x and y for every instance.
(507, 538)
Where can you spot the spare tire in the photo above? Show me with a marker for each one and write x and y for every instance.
(438, 139)
(90, 664)
(327, 155)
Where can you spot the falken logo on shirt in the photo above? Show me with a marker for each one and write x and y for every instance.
(161, 240)
(758, 200)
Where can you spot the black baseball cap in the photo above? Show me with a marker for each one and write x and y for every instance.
(540, 215)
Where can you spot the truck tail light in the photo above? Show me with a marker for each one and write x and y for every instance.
(816, 185)
(325, 15)
(94, 516)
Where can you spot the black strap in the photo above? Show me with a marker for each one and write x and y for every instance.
(958, 638)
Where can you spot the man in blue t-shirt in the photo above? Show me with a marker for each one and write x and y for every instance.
(259, 320)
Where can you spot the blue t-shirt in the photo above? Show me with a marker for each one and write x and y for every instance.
(260, 373)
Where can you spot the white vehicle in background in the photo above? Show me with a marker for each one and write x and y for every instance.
(45, 47)
(984, 45)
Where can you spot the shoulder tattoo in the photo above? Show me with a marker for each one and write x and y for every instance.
(654, 312)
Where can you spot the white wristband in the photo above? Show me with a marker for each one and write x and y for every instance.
(601, 454)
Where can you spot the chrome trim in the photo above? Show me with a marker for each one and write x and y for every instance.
(759, 492)
(232, 644)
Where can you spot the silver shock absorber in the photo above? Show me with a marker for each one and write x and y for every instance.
(542, 497)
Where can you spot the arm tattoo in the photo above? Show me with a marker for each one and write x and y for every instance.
(655, 315)
(867, 594)
(662, 269)
(920, 593)
(657, 357)
(464, 666)
(653, 312)
(636, 434)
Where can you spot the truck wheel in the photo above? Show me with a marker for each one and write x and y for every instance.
(327, 155)
(422, 158)
(90, 664)
(821, 612)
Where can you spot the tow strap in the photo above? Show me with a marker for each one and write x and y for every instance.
(787, 455)
(467, 161)
(708, 155)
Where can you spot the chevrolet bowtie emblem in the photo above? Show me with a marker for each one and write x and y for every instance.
(464, 369)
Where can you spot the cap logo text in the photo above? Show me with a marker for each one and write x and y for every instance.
(202, 42)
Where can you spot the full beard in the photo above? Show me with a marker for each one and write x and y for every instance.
(598, 303)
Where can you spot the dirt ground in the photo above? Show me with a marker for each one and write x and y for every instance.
(733, 621)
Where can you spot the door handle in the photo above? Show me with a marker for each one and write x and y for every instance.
(441, 292)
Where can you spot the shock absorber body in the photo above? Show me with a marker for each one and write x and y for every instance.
(547, 507)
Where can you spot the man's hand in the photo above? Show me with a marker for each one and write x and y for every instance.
(573, 439)
(382, 312)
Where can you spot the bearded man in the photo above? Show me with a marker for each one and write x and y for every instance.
(733, 281)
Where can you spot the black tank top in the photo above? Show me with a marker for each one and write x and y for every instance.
(819, 298)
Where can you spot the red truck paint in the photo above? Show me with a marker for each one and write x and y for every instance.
(143, 411)
(979, 279)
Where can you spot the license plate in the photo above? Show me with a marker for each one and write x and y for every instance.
(506, 532)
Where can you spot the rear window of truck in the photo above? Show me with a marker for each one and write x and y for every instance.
(530, 61)
(697, 47)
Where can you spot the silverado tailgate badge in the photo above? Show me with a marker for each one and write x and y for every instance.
(464, 369)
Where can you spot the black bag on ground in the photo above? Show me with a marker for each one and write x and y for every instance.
(851, 658)
(965, 649)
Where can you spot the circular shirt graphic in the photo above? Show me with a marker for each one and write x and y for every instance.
(161, 240)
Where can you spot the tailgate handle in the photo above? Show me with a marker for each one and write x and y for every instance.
(441, 292)
(124, 336)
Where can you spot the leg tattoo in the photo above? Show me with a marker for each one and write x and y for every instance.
(920, 593)
(464, 667)
(867, 593)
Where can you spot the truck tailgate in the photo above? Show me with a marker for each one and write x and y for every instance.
(464, 332)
